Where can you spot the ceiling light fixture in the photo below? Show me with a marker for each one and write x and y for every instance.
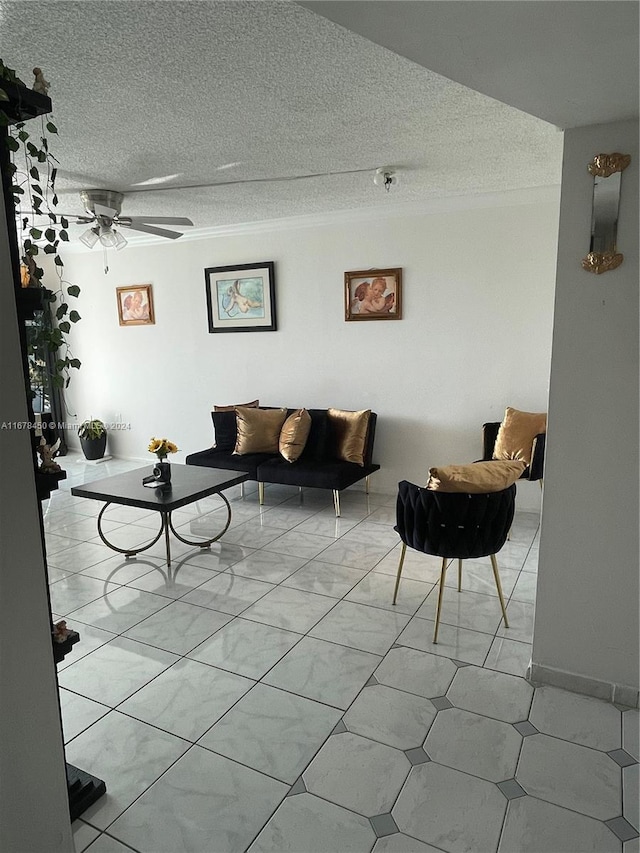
(106, 235)
(385, 177)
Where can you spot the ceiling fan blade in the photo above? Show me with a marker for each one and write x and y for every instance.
(151, 229)
(161, 220)
(101, 210)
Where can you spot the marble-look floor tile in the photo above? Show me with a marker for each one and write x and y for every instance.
(477, 576)
(390, 716)
(120, 609)
(78, 713)
(205, 802)
(532, 826)
(216, 558)
(117, 569)
(377, 589)
(179, 627)
(453, 642)
(520, 615)
(290, 609)
(272, 731)
(631, 732)
(307, 824)
(367, 533)
(90, 639)
(327, 524)
(417, 566)
(509, 656)
(469, 610)
(325, 579)
(295, 544)
(107, 844)
(174, 582)
(525, 588)
(358, 774)
(323, 671)
(400, 843)
(54, 574)
(477, 745)
(571, 776)
(266, 566)
(246, 648)
(450, 809)
(416, 672)
(358, 626)
(251, 535)
(631, 795)
(351, 552)
(83, 835)
(286, 517)
(579, 719)
(228, 593)
(74, 590)
(128, 755)
(492, 694)
(187, 699)
(115, 670)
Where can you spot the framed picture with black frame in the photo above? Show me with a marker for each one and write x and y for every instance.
(241, 298)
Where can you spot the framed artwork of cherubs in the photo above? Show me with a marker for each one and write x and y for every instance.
(135, 305)
(373, 294)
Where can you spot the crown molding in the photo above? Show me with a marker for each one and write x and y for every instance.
(433, 206)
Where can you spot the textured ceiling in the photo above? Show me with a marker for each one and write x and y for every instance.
(211, 92)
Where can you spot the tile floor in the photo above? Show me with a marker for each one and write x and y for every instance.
(264, 695)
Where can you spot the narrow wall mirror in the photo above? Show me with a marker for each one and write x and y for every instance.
(607, 176)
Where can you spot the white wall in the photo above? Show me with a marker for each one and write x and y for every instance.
(477, 307)
(587, 603)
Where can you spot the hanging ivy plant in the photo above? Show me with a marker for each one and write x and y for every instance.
(32, 171)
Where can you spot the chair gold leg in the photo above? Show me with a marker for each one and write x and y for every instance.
(494, 564)
(459, 575)
(336, 502)
(443, 573)
(541, 481)
(261, 493)
(400, 565)
(366, 485)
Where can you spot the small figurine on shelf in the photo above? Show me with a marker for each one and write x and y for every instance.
(60, 631)
(47, 453)
(40, 84)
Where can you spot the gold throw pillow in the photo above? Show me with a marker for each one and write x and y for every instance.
(516, 434)
(350, 430)
(294, 435)
(476, 479)
(258, 429)
(252, 405)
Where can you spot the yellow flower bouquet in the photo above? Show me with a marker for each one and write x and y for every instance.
(162, 447)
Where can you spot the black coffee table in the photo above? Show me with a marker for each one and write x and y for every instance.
(189, 483)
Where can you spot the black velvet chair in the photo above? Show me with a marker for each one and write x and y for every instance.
(453, 526)
(535, 471)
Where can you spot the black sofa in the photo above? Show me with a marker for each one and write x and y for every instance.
(318, 466)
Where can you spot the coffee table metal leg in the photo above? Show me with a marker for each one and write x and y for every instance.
(204, 543)
(128, 552)
(166, 521)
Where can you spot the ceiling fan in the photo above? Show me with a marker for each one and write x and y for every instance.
(103, 212)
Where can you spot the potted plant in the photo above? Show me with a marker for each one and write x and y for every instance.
(93, 438)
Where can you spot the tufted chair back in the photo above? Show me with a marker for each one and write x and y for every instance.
(454, 525)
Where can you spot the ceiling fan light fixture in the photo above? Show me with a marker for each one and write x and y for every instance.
(90, 237)
(385, 177)
(107, 237)
(120, 241)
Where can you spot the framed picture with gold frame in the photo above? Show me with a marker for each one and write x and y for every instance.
(373, 294)
(135, 305)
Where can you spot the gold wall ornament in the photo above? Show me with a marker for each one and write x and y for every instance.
(598, 262)
(604, 165)
(607, 179)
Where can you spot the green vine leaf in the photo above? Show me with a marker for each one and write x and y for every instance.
(74, 316)
(65, 326)
(35, 174)
(50, 235)
(51, 127)
(62, 310)
(73, 290)
(63, 235)
(64, 222)
(12, 144)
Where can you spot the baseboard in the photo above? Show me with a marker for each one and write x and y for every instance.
(621, 694)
